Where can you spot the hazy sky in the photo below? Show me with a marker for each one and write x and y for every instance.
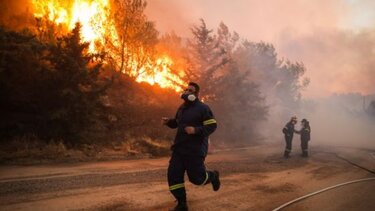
(335, 39)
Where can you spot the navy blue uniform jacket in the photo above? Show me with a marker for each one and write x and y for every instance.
(288, 130)
(199, 116)
(305, 133)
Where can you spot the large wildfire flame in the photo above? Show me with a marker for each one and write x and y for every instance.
(96, 25)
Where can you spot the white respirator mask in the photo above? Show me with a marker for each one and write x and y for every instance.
(188, 97)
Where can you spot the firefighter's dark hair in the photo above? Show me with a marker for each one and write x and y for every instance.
(196, 86)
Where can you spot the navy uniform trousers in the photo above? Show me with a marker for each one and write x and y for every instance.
(189, 151)
(196, 171)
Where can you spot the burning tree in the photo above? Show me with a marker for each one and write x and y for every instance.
(120, 29)
(65, 67)
(135, 39)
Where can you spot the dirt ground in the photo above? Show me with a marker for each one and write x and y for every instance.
(254, 178)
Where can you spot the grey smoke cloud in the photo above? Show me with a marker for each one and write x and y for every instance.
(337, 61)
(341, 120)
(334, 38)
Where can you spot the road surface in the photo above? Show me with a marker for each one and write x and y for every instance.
(254, 178)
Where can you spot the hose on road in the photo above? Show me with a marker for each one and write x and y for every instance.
(331, 187)
(320, 191)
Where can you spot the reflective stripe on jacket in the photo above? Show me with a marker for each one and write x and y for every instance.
(199, 116)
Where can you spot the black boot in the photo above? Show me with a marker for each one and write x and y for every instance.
(305, 154)
(286, 154)
(181, 206)
(180, 196)
(215, 181)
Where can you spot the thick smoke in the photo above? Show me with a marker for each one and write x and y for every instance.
(341, 120)
(334, 39)
(329, 37)
(338, 120)
(337, 61)
(16, 14)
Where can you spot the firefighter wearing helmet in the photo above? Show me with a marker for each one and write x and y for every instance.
(288, 131)
(305, 136)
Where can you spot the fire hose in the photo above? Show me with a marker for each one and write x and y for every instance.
(331, 187)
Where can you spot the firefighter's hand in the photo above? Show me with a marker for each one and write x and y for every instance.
(164, 120)
(190, 130)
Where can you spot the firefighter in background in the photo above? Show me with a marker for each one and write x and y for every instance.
(288, 131)
(194, 122)
(305, 136)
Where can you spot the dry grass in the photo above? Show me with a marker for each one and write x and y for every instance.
(143, 146)
(30, 150)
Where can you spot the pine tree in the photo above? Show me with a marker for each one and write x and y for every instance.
(205, 59)
(76, 87)
(280, 80)
(236, 100)
(21, 82)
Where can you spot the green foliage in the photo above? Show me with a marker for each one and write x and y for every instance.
(51, 87)
(51, 90)
(239, 106)
(22, 73)
(207, 55)
(236, 101)
(76, 101)
(278, 78)
(240, 80)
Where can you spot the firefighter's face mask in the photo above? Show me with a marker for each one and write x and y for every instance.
(189, 95)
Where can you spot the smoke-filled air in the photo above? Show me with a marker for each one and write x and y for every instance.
(103, 72)
(333, 40)
(216, 105)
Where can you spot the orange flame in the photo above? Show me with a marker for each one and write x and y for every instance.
(161, 75)
(91, 14)
(96, 26)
